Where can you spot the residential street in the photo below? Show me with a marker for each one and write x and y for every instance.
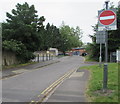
(29, 86)
(59, 51)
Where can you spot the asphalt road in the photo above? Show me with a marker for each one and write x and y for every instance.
(28, 86)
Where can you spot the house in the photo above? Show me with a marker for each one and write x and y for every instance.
(53, 51)
(78, 51)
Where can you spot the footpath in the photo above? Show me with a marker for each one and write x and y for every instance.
(72, 89)
(19, 70)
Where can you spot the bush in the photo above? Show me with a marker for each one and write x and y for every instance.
(19, 49)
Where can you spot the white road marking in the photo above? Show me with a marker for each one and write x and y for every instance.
(77, 74)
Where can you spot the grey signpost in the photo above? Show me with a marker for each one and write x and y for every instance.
(106, 21)
(100, 39)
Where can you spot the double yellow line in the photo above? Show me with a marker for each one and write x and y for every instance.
(47, 90)
(52, 86)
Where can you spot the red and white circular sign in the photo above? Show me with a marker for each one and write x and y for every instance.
(107, 17)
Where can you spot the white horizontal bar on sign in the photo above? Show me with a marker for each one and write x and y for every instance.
(107, 17)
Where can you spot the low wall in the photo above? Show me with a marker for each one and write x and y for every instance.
(9, 58)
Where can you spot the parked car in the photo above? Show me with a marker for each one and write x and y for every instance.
(84, 54)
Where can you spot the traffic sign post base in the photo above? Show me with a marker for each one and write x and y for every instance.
(105, 77)
(100, 61)
(106, 21)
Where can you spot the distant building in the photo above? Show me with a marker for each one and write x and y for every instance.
(78, 51)
(53, 51)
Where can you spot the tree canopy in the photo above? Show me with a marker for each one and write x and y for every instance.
(25, 33)
(21, 27)
(70, 37)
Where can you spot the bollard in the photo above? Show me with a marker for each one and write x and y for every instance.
(52, 57)
(105, 77)
(38, 58)
(43, 57)
(49, 56)
(46, 57)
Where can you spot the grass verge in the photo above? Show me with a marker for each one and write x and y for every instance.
(88, 59)
(17, 65)
(94, 91)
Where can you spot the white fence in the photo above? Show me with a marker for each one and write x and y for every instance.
(43, 57)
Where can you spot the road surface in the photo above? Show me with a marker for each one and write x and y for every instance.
(28, 86)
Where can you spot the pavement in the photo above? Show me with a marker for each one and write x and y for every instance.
(72, 89)
(19, 70)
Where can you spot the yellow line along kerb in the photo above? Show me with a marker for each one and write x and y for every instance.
(59, 80)
(53, 85)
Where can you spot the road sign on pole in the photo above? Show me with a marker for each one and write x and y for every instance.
(100, 37)
(107, 18)
(106, 21)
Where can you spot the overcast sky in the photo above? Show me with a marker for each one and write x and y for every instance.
(82, 13)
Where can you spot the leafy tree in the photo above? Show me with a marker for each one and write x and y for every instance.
(70, 37)
(46, 38)
(51, 37)
(18, 48)
(24, 33)
(23, 26)
(114, 37)
(41, 32)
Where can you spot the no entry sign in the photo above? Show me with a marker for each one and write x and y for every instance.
(107, 17)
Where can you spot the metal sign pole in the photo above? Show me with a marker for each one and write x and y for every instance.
(106, 21)
(100, 58)
(100, 39)
(106, 45)
(105, 72)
